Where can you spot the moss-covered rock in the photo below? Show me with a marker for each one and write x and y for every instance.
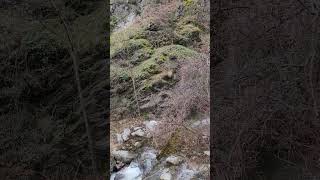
(152, 69)
(190, 20)
(163, 59)
(158, 31)
(188, 33)
(126, 39)
(127, 48)
(160, 60)
(173, 52)
(131, 32)
(188, 2)
(160, 38)
(141, 55)
(146, 69)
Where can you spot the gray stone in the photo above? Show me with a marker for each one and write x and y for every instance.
(137, 144)
(150, 127)
(204, 122)
(124, 156)
(174, 160)
(166, 175)
(148, 160)
(125, 135)
(119, 138)
(206, 153)
(185, 174)
(149, 105)
(136, 128)
(139, 132)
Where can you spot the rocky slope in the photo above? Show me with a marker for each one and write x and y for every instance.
(153, 46)
(135, 158)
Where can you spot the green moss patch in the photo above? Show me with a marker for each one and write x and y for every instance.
(173, 52)
(190, 20)
(151, 74)
(160, 59)
(141, 55)
(146, 69)
(128, 48)
(126, 39)
(118, 74)
(131, 32)
(188, 2)
(188, 33)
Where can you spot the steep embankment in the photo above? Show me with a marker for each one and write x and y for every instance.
(159, 90)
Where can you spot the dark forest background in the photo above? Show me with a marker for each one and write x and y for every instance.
(53, 89)
(265, 89)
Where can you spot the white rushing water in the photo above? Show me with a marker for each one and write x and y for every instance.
(132, 172)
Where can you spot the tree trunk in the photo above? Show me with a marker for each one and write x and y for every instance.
(75, 60)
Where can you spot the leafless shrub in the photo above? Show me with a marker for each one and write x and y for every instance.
(158, 13)
(190, 96)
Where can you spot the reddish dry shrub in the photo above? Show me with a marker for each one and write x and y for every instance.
(189, 97)
(200, 11)
(158, 22)
(158, 13)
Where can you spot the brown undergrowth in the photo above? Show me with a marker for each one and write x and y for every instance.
(189, 97)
